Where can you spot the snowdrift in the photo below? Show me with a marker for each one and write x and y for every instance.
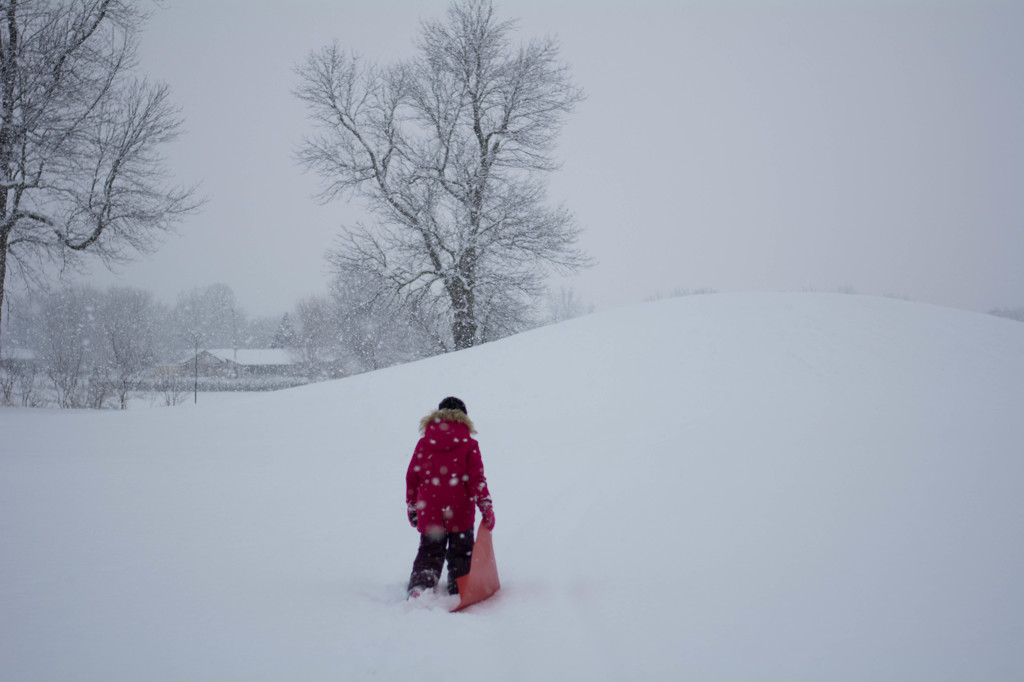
(727, 487)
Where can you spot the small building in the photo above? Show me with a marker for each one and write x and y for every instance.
(230, 363)
(19, 359)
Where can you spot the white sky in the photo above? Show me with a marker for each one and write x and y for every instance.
(774, 145)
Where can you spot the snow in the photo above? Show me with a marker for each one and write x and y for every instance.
(727, 487)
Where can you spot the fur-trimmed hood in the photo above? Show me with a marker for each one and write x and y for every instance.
(446, 416)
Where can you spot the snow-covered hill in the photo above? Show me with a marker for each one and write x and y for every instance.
(728, 487)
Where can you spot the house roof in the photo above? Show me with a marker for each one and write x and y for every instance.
(252, 357)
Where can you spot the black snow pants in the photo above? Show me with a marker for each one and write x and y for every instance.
(456, 548)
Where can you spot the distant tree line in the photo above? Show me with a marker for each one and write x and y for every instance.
(1009, 313)
(81, 347)
(77, 346)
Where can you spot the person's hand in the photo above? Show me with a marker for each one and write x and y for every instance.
(489, 518)
(412, 518)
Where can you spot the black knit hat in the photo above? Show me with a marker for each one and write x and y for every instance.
(451, 403)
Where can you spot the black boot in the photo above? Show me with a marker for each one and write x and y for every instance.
(426, 568)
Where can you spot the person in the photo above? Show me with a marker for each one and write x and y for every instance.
(444, 485)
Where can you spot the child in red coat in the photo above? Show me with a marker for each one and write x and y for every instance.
(444, 485)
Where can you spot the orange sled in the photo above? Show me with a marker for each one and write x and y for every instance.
(482, 580)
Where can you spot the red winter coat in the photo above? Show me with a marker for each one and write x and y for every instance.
(445, 481)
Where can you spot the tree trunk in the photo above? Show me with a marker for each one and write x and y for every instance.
(3, 282)
(464, 317)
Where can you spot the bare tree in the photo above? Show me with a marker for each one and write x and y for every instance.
(564, 305)
(318, 339)
(21, 367)
(209, 317)
(66, 343)
(127, 318)
(80, 169)
(377, 332)
(8, 380)
(1009, 313)
(448, 151)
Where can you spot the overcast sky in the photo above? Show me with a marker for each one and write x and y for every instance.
(775, 145)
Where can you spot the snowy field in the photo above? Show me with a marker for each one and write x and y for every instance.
(727, 487)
